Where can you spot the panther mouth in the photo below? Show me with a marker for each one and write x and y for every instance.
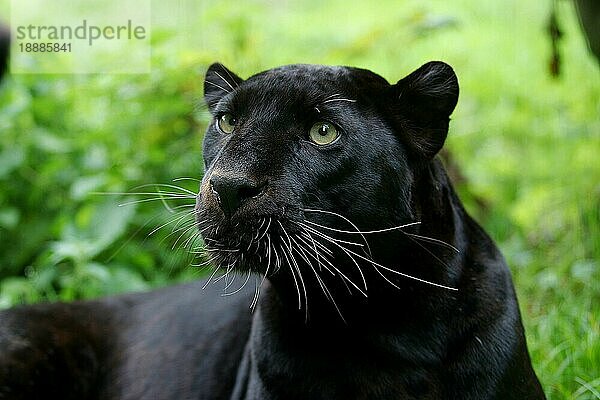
(288, 239)
(259, 244)
(256, 239)
(264, 244)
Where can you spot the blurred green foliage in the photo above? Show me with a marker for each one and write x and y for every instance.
(528, 146)
(67, 139)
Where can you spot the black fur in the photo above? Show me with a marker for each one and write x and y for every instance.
(397, 316)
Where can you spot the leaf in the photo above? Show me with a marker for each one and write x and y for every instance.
(109, 221)
(584, 270)
(82, 187)
(9, 217)
(10, 159)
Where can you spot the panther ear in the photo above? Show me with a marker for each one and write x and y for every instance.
(423, 103)
(218, 82)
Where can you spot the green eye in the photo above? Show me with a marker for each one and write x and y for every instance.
(226, 123)
(323, 133)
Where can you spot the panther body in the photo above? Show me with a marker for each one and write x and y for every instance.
(360, 274)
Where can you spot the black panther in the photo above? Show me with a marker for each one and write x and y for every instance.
(358, 273)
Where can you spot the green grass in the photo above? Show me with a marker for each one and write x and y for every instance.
(528, 145)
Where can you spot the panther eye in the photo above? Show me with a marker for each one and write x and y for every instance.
(226, 123)
(323, 133)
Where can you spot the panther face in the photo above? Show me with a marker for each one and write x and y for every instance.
(298, 157)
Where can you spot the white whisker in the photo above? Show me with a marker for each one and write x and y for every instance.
(345, 219)
(240, 288)
(377, 264)
(337, 240)
(433, 240)
(293, 276)
(393, 228)
(331, 100)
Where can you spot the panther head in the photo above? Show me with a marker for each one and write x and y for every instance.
(300, 159)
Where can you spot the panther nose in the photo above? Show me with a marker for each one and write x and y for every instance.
(232, 191)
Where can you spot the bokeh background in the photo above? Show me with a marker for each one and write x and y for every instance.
(523, 148)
